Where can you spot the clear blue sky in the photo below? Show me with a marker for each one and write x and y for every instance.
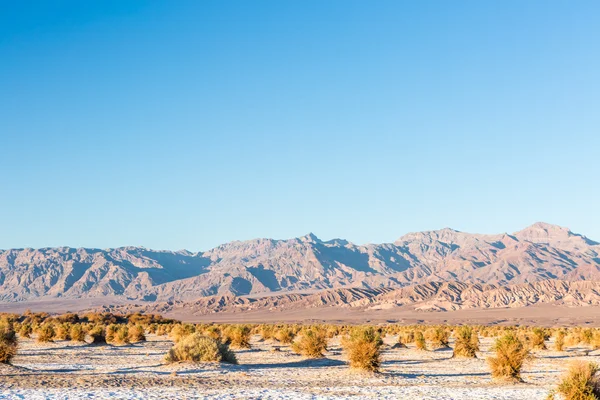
(186, 124)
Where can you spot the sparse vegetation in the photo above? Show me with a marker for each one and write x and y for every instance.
(199, 348)
(311, 342)
(511, 354)
(420, 342)
(467, 343)
(363, 349)
(580, 382)
(8, 342)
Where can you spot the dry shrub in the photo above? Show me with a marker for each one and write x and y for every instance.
(26, 330)
(77, 333)
(537, 339)
(399, 342)
(62, 332)
(98, 335)
(213, 332)
(311, 342)
(111, 332)
(238, 336)
(45, 333)
(559, 341)
(467, 343)
(8, 343)
(580, 382)
(511, 354)
(439, 337)
(199, 348)
(420, 342)
(285, 335)
(595, 341)
(180, 331)
(408, 337)
(121, 336)
(363, 348)
(137, 334)
(266, 332)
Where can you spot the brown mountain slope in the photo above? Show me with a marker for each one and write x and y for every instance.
(261, 266)
(432, 296)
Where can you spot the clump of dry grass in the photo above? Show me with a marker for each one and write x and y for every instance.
(467, 343)
(285, 335)
(559, 341)
(62, 332)
(77, 333)
(580, 382)
(98, 335)
(213, 332)
(180, 331)
(420, 342)
(238, 336)
(311, 342)
(199, 348)
(121, 336)
(45, 333)
(25, 330)
(538, 339)
(511, 354)
(363, 348)
(8, 343)
(400, 342)
(439, 337)
(137, 334)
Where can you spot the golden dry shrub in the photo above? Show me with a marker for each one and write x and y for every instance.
(466, 344)
(400, 342)
(285, 335)
(559, 341)
(179, 331)
(111, 332)
(363, 349)
(595, 341)
(580, 382)
(45, 333)
(25, 330)
(537, 339)
(98, 335)
(511, 354)
(77, 333)
(408, 337)
(8, 343)
(121, 336)
(62, 332)
(199, 348)
(439, 337)
(266, 332)
(311, 342)
(136, 334)
(213, 332)
(420, 342)
(238, 336)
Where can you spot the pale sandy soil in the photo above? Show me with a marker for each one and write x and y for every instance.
(64, 370)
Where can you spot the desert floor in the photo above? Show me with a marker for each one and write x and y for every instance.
(64, 370)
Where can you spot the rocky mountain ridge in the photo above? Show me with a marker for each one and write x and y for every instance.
(262, 266)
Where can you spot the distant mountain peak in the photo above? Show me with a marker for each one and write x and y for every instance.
(310, 237)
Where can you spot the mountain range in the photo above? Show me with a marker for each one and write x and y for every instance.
(303, 265)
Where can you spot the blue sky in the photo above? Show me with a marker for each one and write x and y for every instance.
(186, 124)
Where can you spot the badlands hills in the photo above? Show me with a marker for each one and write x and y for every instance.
(435, 270)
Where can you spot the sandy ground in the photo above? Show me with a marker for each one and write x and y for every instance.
(63, 370)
